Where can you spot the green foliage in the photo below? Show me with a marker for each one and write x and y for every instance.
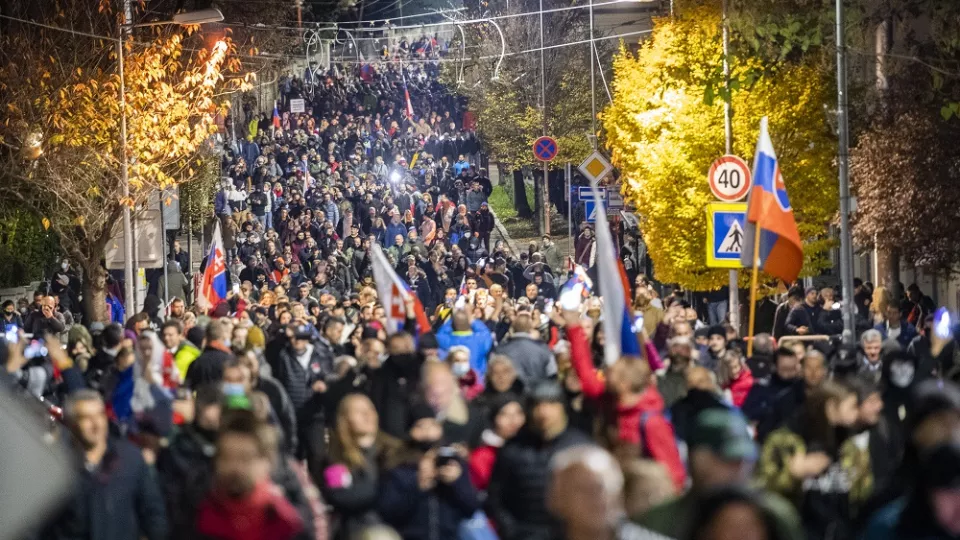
(664, 133)
(26, 248)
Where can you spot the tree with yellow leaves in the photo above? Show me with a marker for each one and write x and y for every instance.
(665, 128)
(61, 142)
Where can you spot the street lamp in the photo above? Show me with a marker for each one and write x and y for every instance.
(188, 18)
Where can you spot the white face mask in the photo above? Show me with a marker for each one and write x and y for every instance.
(65, 266)
(901, 374)
(460, 369)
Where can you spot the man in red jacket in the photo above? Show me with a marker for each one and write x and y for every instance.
(630, 403)
(243, 503)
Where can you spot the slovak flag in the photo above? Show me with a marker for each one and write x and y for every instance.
(213, 286)
(276, 116)
(463, 286)
(780, 252)
(393, 292)
(618, 320)
(406, 96)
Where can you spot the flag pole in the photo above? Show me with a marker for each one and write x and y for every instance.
(753, 287)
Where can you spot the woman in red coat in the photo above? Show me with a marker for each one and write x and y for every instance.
(506, 418)
(734, 375)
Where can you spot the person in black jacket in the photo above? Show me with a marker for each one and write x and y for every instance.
(426, 492)
(517, 491)
(115, 496)
(302, 370)
(208, 367)
(802, 320)
(185, 466)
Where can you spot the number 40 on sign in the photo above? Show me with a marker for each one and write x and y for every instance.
(729, 178)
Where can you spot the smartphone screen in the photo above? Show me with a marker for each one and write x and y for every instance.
(942, 324)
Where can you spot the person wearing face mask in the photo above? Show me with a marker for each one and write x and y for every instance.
(11, 318)
(898, 377)
(458, 357)
(426, 492)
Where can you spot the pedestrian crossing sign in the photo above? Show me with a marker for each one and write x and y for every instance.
(590, 208)
(725, 224)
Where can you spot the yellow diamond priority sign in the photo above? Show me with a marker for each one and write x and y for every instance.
(595, 167)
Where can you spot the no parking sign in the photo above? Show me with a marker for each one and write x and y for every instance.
(545, 148)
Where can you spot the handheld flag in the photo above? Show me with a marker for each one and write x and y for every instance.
(213, 286)
(406, 94)
(393, 292)
(276, 116)
(617, 315)
(770, 218)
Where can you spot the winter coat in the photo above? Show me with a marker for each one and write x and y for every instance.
(428, 515)
(478, 339)
(222, 518)
(517, 490)
(179, 286)
(185, 470)
(532, 359)
(740, 387)
(761, 403)
(907, 333)
(829, 501)
(642, 425)
(483, 458)
(672, 386)
(120, 500)
(353, 493)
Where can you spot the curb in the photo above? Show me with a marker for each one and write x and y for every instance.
(503, 233)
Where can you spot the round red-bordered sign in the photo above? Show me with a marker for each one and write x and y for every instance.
(729, 178)
(545, 148)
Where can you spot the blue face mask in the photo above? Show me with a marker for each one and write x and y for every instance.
(233, 389)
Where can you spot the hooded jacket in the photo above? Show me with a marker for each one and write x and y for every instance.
(641, 424)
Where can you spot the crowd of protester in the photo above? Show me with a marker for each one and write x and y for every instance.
(290, 411)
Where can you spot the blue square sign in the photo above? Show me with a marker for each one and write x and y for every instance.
(725, 230)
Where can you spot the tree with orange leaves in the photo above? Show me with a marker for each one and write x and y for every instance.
(60, 142)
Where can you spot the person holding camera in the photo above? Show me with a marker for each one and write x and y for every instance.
(426, 492)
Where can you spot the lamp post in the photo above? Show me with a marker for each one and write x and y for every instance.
(188, 18)
(843, 132)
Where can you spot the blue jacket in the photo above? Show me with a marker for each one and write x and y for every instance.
(393, 229)
(907, 333)
(413, 513)
(478, 339)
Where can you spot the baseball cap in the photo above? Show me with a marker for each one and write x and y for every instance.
(724, 433)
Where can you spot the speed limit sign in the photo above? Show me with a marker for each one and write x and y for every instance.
(729, 178)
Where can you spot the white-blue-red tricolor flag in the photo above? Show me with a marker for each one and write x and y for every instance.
(393, 292)
(780, 252)
(213, 286)
(615, 290)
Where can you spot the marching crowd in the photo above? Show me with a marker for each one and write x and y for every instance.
(295, 407)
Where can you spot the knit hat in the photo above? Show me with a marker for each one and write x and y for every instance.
(716, 330)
